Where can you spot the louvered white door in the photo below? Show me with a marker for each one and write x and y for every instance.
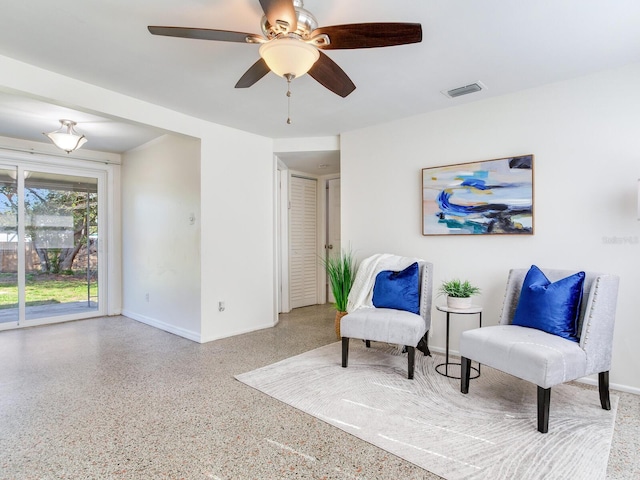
(303, 245)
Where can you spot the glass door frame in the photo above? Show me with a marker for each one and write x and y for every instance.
(101, 175)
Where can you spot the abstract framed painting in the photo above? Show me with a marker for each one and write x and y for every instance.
(487, 197)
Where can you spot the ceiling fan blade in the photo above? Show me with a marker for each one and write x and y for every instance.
(327, 72)
(255, 73)
(204, 34)
(280, 10)
(370, 35)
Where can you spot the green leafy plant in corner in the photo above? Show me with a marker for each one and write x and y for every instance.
(341, 271)
(457, 288)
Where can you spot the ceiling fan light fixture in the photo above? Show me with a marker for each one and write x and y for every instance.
(66, 138)
(289, 56)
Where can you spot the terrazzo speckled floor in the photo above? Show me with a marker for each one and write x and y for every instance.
(113, 398)
(489, 434)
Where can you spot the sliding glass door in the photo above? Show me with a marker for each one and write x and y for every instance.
(61, 234)
(8, 245)
(49, 237)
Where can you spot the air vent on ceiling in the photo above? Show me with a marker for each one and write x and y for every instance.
(467, 89)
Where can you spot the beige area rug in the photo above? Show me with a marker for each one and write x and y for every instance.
(491, 433)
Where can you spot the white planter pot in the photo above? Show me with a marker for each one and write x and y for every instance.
(457, 302)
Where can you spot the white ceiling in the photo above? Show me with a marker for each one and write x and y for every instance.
(507, 45)
(315, 163)
(28, 119)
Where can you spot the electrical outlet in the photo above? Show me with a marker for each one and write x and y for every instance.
(221, 306)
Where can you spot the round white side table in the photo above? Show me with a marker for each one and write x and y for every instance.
(473, 309)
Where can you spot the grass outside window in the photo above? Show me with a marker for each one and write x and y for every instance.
(45, 289)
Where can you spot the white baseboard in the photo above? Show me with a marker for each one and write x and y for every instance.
(612, 386)
(239, 332)
(181, 332)
(188, 334)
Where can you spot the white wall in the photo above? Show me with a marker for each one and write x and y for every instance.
(585, 135)
(161, 234)
(238, 228)
(307, 144)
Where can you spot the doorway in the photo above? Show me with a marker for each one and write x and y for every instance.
(333, 245)
(308, 228)
(50, 229)
(303, 242)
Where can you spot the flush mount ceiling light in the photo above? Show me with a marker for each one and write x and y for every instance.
(66, 138)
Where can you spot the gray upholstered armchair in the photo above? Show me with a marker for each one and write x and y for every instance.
(391, 325)
(540, 357)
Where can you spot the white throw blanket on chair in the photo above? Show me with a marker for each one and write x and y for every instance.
(361, 294)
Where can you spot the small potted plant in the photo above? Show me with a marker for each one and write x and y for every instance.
(341, 271)
(458, 293)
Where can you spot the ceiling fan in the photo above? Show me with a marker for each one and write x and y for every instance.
(291, 43)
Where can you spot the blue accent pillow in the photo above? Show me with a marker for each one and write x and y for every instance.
(398, 290)
(551, 307)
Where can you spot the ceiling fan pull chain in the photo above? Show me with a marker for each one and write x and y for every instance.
(289, 77)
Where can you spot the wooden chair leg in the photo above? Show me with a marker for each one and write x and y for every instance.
(345, 351)
(412, 360)
(423, 345)
(603, 387)
(465, 373)
(544, 400)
